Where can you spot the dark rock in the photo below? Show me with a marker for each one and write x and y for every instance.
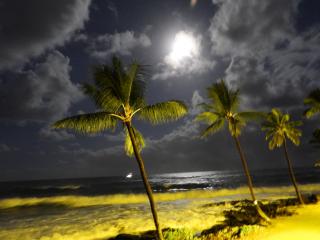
(309, 198)
(150, 235)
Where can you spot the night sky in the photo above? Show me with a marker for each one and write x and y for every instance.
(269, 49)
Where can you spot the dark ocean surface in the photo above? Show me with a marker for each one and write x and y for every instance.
(173, 182)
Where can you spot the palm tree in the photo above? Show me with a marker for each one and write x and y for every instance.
(224, 108)
(118, 93)
(278, 129)
(315, 141)
(313, 103)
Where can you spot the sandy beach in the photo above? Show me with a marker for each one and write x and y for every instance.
(304, 224)
(192, 215)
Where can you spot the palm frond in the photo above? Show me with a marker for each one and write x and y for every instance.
(207, 117)
(88, 123)
(163, 112)
(267, 126)
(314, 95)
(313, 101)
(130, 77)
(140, 142)
(118, 74)
(215, 94)
(104, 99)
(276, 141)
(90, 90)
(135, 85)
(275, 115)
(205, 107)
(294, 124)
(252, 116)
(223, 98)
(269, 134)
(294, 136)
(234, 100)
(315, 141)
(235, 126)
(310, 112)
(111, 79)
(214, 127)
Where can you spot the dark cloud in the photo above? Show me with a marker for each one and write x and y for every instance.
(89, 154)
(5, 148)
(50, 134)
(44, 93)
(28, 28)
(272, 63)
(123, 43)
(112, 7)
(248, 27)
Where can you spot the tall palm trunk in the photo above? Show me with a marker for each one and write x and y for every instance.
(293, 179)
(145, 181)
(249, 179)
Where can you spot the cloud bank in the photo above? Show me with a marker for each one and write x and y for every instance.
(122, 43)
(37, 26)
(44, 93)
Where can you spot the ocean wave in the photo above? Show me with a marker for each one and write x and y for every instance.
(75, 201)
(65, 187)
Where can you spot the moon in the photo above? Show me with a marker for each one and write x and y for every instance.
(184, 46)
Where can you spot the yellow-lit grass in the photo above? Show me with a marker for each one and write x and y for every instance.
(83, 201)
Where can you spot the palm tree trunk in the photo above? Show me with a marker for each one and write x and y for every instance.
(293, 179)
(145, 181)
(249, 179)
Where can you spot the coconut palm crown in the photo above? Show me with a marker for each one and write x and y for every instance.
(222, 109)
(279, 128)
(313, 103)
(118, 93)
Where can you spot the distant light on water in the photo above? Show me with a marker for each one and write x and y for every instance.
(129, 175)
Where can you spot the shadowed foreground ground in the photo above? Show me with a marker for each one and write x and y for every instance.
(289, 221)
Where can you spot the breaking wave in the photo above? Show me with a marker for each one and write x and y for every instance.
(75, 201)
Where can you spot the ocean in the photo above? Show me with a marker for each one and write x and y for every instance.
(99, 208)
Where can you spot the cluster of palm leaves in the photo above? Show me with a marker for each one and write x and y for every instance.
(313, 103)
(118, 92)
